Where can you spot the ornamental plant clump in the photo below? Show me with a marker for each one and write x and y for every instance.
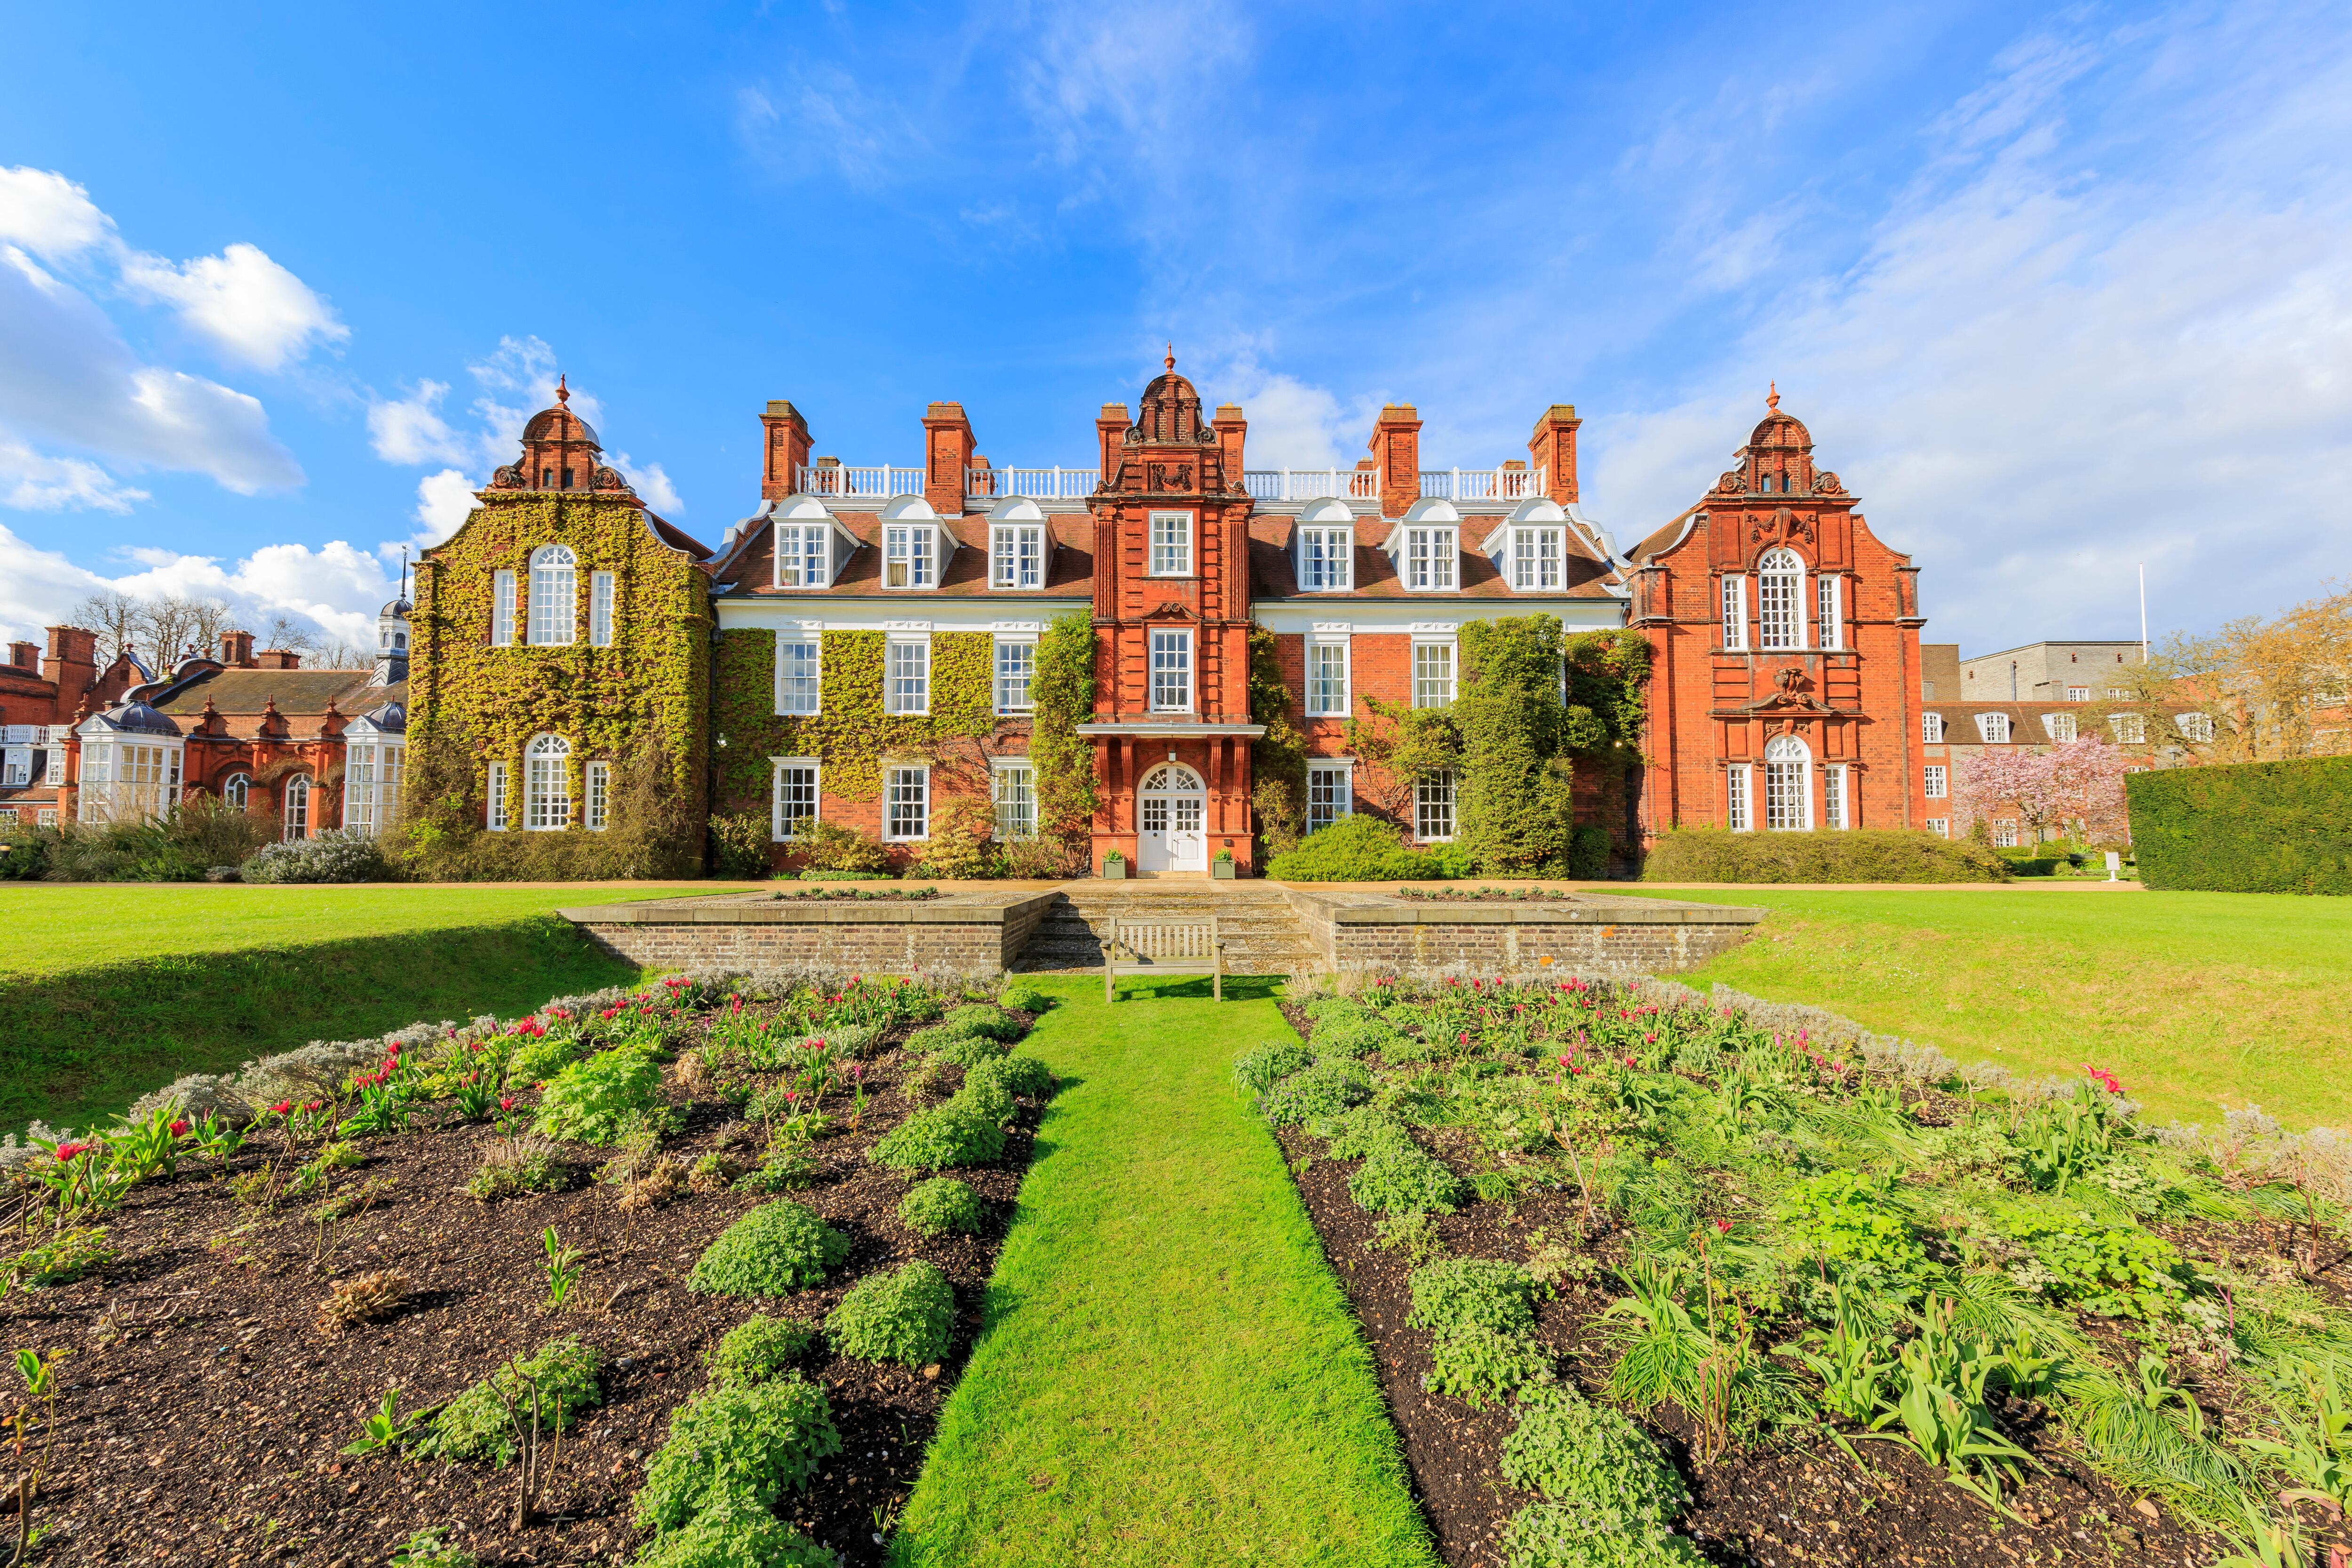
(760, 1348)
(908, 1317)
(1321, 1090)
(1480, 1367)
(734, 1533)
(959, 1132)
(1024, 1076)
(962, 1051)
(476, 1425)
(602, 1098)
(941, 1206)
(775, 1249)
(2107, 1271)
(740, 1443)
(1592, 1459)
(1255, 1071)
(988, 1022)
(1027, 998)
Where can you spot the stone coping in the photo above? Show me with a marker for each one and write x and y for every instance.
(764, 908)
(1383, 909)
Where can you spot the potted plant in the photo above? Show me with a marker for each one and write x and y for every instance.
(1222, 868)
(1114, 866)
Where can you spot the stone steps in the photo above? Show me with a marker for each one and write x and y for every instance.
(1262, 934)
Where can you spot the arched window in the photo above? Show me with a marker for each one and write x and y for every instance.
(297, 808)
(1788, 785)
(547, 784)
(554, 595)
(236, 789)
(1780, 598)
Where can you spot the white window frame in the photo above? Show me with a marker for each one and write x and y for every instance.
(2195, 727)
(2078, 694)
(906, 796)
(554, 597)
(1941, 826)
(359, 787)
(2058, 727)
(237, 790)
(2004, 833)
(2131, 729)
(1433, 806)
(1016, 553)
(596, 784)
(1993, 729)
(800, 683)
(906, 675)
(1834, 780)
(1024, 651)
(494, 798)
(601, 588)
(1534, 559)
(1829, 610)
(1322, 703)
(1170, 669)
(1170, 543)
(46, 817)
(546, 783)
(1341, 798)
(1432, 558)
(1327, 560)
(1936, 781)
(780, 827)
(502, 609)
(1738, 798)
(1013, 790)
(808, 549)
(1426, 681)
(1931, 729)
(1735, 613)
(295, 811)
(914, 546)
(1787, 785)
(1779, 600)
(129, 778)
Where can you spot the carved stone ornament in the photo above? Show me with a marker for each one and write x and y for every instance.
(1779, 529)
(609, 479)
(1790, 690)
(1825, 483)
(508, 477)
(1731, 484)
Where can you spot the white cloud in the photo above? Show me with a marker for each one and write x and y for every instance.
(650, 483)
(31, 481)
(249, 307)
(1292, 425)
(443, 501)
(48, 214)
(411, 429)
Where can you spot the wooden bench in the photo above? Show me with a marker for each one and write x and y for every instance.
(1141, 946)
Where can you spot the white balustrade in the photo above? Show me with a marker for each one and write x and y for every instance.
(868, 483)
(1038, 484)
(1484, 484)
(1312, 484)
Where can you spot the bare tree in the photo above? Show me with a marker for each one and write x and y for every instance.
(170, 624)
(115, 616)
(337, 654)
(293, 635)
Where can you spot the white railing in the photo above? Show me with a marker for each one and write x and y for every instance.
(1039, 484)
(1483, 484)
(878, 484)
(1313, 484)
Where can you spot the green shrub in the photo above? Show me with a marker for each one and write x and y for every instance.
(1827, 855)
(1588, 854)
(907, 1317)
(757, 1348)
(1321, 1009)
(939, 1205)
(1481, 1366)
(957, 1133)
(965, 1050)
(2111, 1270)
(1592, 1458)
(1355, 1037)
(1255, 1069)
(475, 1425)
(1321, 1090)
(744, 1442)
(733, 1534)
(1359, 1132)
(329, 855)
(987, 1022)
(776, 1248)
(1460, 1292)
(1402, 1178)
(738, 843)
(1550, 1535)
(1362, 847)
(600, 1099)
(2245, 827)
(537, 1060)
(1024, 1076)
(1849, 1220)
(1025, 996)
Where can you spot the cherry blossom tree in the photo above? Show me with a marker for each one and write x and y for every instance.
(1999, 781)
(2087, 779)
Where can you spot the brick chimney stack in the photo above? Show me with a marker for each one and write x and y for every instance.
(71, 664)
(787, 450)
(1396, 447)
(1232, 431)
(1552, 448)
(1110, 433)
(236, 650)
(278, 658)
(948, 446)
(25, 656)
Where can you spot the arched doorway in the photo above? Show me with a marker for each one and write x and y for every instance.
(1171, 816)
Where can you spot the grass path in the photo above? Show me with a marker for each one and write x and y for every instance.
(2197, 1001)
(1168, 1372)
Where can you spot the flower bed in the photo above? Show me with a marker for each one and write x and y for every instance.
(309, 1310)
(865, 895)
(1652, 1277)
(1482, 894)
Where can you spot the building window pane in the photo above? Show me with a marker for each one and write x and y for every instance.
(1016, 665)
(795, 800)
(1828, 613)
(1780, 603)
(2058, 727)
(1329, 794)
(1735, 613)
(554, 595)
(1931, 729)
(547, 784)
(1788, 791)
(600, 610)
(800, 554)
(1019, 556)
(1535, 558)
(907, 803)
(1432, 674)
(598, 781)
(1016, 801)
(2078, 694)
(387, 785)
(298, 808)
(909, 678)
(1433, 807)
(800, 663)
(1327, 556)
(2004, 833)
(1994, 728)
(1171, 544)
(1172, 672)
(1735, 783)
(907, 557)
(1429, 558)
(1834, 795)
(1938, 782)
(1326, 678)
(1941, 826)
(2197, 727)
(502, 609)
(358, 789)
(236, 789)
(2131, 729)
(494, 790)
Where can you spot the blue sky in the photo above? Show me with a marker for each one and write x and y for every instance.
(2058, 293)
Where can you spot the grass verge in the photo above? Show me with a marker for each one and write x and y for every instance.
(1167, 1373)
(2197, 1001)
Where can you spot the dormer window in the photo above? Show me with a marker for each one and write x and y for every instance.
(1017, 555)
(1429, 558)
(907, 556)
(1535, 558)
(1325, 556)
(802, 554)
(1994, 728)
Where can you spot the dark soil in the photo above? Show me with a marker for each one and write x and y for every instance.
(201, 1408)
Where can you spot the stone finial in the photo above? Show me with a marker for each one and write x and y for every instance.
(1772, 398)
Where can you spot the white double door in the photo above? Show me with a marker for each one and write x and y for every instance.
(1172, 816)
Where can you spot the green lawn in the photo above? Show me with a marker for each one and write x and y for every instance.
(111, 989)
(2197, 1001)
(1168, 1372)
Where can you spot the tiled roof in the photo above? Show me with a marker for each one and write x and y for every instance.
(298, 692)
(1070, 573)
(1273, 574)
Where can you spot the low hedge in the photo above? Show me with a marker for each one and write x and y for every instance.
(2245, 827)
(1363, 849)
(1827, 855)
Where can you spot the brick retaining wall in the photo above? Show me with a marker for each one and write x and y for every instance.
(976, 935)
(1630, 936)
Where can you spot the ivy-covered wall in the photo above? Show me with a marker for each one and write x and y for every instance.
(649, 690)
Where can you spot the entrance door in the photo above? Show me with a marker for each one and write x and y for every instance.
(1172, 812)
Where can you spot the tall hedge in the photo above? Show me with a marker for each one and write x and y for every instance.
(2245, 827)
(1824, 855)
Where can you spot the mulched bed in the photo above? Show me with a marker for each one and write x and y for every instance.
(202, 1408)
(1785, 1500)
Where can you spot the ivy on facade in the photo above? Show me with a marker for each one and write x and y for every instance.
(1278, 759)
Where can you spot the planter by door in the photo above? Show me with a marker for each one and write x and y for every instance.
(1173, 812)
